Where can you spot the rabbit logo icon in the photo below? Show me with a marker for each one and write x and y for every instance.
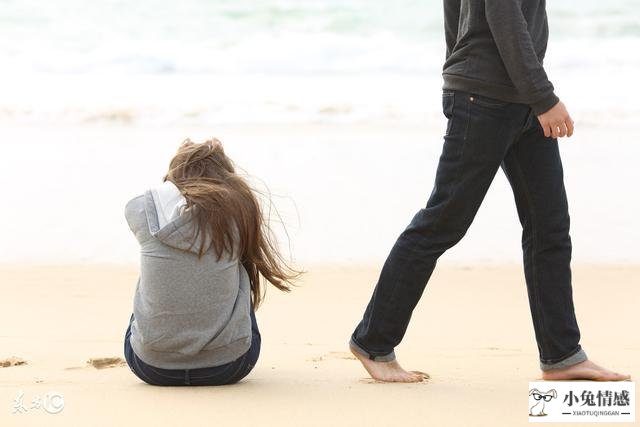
(540, 398)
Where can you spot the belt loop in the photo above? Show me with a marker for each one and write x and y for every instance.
(187, 380)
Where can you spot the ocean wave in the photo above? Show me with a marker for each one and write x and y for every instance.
(248, 36)
(274, 61)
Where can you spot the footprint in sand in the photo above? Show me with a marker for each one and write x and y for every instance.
(106, 362)
(101, 363)
(12, 361)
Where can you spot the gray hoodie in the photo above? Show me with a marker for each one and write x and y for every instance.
(188, 312)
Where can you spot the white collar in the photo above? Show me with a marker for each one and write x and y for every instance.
(168, 201)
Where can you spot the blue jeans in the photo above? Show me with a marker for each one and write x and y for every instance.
(482, 136)
(229, 373)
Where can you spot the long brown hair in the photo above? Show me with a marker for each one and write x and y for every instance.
(226, 209)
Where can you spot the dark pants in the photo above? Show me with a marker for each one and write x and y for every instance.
(229, 373)
(482, 135)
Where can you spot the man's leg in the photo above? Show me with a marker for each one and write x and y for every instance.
(478, 136)
(534, 169)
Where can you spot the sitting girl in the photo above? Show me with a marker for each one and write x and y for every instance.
(204, 245)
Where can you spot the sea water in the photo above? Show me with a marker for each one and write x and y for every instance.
(237, 61)
(335, 104)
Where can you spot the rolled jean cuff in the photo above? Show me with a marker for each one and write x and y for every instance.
(574, 359)
(376, 358)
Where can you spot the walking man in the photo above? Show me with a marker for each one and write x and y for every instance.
(502, 113)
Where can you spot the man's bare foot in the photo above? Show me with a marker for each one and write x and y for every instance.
(390, 372)
(586, 370)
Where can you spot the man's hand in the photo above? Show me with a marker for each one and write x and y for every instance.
(556, 122)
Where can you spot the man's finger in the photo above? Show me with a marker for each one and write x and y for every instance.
(554, 130)
(569, 123)
(562, 128)
(545, 128)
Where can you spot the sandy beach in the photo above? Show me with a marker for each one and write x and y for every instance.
(333, 109)
(471, 333)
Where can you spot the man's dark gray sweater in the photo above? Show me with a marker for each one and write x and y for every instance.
(495, 48)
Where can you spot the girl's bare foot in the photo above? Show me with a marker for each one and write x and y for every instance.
(586, 370)
(389, 371)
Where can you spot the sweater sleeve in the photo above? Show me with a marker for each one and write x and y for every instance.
(509, 29)
(451, 21)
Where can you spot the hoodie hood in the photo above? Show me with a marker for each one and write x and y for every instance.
(169, 219)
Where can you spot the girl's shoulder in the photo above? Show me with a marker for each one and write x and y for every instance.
(134, 202)
(134, 213)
